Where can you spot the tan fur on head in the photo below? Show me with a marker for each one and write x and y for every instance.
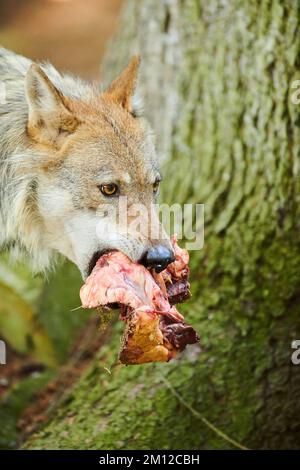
(122, 88)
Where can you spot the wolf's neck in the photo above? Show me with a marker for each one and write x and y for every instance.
(13, 118)
(20, 229)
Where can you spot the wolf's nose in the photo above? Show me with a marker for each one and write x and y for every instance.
(158, 257)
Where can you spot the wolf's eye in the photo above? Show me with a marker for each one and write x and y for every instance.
(156, 186)
(110, 189)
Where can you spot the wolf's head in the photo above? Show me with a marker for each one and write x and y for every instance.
(98, 178)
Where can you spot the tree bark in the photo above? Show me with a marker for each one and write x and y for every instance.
(216, 77)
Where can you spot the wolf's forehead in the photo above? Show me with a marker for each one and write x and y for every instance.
(126, 154)
(112, 145)
(142, 173)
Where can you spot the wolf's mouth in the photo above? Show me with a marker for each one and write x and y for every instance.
(93, 261)
(97, 255)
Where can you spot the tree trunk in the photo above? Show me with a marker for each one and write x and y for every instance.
(217, 79)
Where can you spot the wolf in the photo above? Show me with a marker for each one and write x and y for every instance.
(69, 153)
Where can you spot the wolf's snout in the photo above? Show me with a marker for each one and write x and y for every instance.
(158, 257)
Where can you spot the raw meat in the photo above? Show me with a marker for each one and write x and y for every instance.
(155, 330)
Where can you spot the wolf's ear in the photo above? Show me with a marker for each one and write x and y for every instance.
(122, 88)
(48, 116)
